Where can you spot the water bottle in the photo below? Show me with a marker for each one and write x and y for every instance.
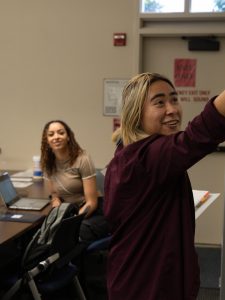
(37, 172)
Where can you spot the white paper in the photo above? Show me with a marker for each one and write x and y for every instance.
(26, 173)
(199, 195)
(19, 184)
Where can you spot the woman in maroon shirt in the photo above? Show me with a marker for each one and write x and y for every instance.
(148, 195)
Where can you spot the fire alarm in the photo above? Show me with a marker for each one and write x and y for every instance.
(119, 39)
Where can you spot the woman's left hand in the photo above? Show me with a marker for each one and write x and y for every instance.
(87, 208)
(91, 196)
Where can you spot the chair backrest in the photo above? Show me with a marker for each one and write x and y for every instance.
(100, 181)
(67, 236)
(100, 244)
(58, 233)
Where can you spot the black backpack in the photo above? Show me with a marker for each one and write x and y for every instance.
(50, 237)
(51, 248)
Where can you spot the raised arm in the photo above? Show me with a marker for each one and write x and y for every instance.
(219, 103)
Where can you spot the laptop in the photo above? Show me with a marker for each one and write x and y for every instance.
(12, 200)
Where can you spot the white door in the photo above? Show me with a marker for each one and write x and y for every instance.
(159, 55)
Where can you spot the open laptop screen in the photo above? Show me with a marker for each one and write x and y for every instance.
(7, 191)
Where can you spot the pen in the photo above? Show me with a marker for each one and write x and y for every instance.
(202, 200)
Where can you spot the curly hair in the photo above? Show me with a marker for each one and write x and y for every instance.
(48, 164)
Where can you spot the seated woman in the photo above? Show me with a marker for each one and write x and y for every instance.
(72, 177)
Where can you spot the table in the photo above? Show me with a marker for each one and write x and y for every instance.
(206, 204)
(12, 230)
(39, 189)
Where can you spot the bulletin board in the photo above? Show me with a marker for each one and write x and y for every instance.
(113, 89)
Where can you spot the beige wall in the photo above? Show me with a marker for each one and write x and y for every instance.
(208, 174)
(54, 56)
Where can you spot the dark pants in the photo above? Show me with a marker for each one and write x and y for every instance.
(93, 265)
(95, 227)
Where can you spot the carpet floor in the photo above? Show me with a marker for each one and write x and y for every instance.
(210, 264)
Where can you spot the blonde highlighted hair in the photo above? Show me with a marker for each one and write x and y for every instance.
(133, 98)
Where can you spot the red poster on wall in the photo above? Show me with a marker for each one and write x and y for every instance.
(185, 72)
(116, 123)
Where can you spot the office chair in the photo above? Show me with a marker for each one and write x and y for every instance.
(93, 263)
(55, 272)
(93, 270)
(99, 245)
(100, 181)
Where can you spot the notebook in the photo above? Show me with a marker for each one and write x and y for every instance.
(12, 200)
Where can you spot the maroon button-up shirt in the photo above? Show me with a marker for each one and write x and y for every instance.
(149, 205)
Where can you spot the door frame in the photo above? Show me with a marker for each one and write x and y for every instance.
(171, 26)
